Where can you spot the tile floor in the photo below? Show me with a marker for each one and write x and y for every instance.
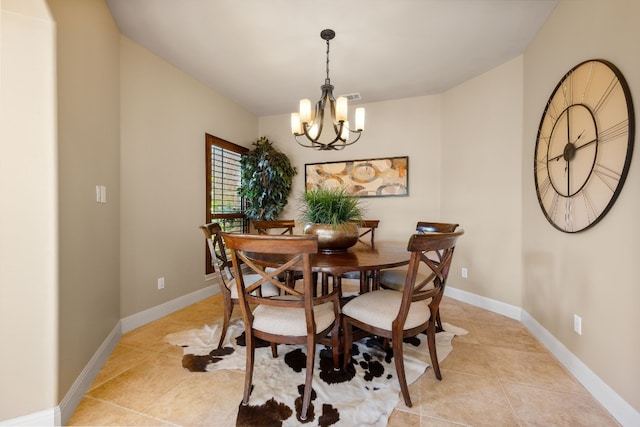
(497, 375)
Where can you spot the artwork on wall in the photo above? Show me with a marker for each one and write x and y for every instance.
(387, 176)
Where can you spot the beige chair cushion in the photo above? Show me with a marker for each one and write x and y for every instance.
(380, 308)
(395, 278)
(268, 289)
(291, 321)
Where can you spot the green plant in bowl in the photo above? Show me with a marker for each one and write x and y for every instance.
(335, 207)
(333, 216)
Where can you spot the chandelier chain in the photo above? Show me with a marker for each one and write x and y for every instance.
(327, 62)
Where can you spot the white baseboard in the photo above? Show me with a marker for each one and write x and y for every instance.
(483, 302)
(624, 413)
(134, 321)
(48, 417)
(81, 385)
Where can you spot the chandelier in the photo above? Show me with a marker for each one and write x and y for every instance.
(310, 123)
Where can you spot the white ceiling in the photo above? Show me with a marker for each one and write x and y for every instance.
(267, 54)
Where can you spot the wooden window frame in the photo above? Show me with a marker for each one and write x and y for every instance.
(210, 142)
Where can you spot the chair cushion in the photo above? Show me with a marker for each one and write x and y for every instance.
(291, 321)
(394, 278)
(268, 289)
(380, 308)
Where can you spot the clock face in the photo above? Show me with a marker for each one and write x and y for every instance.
(584, 146)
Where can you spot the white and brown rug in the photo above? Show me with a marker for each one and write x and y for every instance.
(363, 395)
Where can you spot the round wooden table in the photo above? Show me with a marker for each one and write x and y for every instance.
(366, 259)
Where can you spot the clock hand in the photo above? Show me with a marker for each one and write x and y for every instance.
(587, 143)
(579, 136)
(558, 157)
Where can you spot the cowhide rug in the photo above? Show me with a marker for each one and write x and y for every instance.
(365, 394)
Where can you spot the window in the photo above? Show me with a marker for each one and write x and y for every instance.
(223, 205)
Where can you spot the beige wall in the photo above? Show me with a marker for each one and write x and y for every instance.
(407, 127)
(165, 115)
(481, 181)
(88, 155)
(28, 246)
(592, 273)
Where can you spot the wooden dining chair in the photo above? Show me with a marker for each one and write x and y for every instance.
(368, 226)
(395, 278)
(350, 282)
(295, 317)
(281, 227)
(397, 315)
(225, 275)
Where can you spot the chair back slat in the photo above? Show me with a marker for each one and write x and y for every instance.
(439, 227)
(443, 244)
(281, 253)
(278, 227)
(217, 250)
(368, 226)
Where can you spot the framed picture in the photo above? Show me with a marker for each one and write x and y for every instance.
(387, 176)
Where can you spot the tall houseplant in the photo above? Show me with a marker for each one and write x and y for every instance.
(267, 175)
(332, 215)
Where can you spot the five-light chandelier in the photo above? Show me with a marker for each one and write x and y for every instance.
(310, 123)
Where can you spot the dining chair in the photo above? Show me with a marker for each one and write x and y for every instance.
(395, 278)
(223, 271)
(368, 226)
(397, 315)
(295, 317)
(349, 282)
(281, 227)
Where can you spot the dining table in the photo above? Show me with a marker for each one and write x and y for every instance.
(364, 258)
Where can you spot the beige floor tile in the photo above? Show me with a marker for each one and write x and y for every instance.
(205, 399)
(121, 359)
(514, 336)
(400, 418)
(461, 398)
(540, 370)
(137, 389)
(534, 407)
(468, 358)
(92, 412)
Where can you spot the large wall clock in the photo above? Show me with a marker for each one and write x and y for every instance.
(584, 145)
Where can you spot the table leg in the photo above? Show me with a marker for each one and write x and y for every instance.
(375, 280)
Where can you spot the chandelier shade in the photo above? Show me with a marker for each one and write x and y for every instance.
(307, 124)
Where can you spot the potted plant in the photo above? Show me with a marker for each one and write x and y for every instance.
(333, 215)
(267, 175)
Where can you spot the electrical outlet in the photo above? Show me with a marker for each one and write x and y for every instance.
(161, 283)
(577, 324)
(465, 273)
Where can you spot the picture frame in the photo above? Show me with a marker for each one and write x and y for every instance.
(380, 177)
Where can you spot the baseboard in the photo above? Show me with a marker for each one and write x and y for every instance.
(81, 385)
(134, 321)
(88, 374)
(48, 417)
(483, 302)
(624, 413)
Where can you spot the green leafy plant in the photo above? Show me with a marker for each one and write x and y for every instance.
(335, 207)
(267, 175)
